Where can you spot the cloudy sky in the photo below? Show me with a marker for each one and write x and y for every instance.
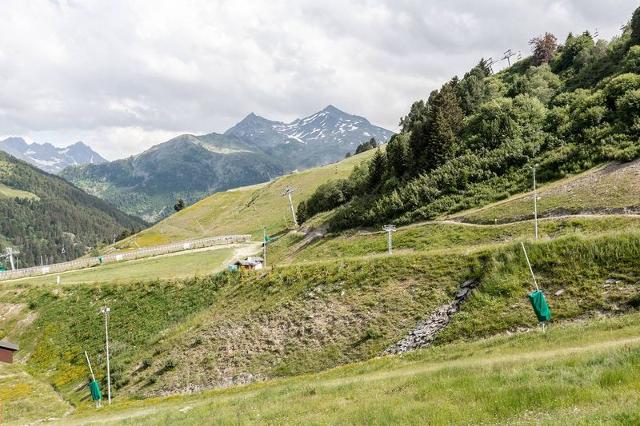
(123, 75)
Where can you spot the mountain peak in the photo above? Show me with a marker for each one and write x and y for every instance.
(48, 157)
(252, 117)
(328, 134)
(13, 142)
(331, 108)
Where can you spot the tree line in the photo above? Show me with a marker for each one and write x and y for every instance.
(565, 108)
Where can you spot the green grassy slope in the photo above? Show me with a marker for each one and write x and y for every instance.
(340, 300)
(611, 188)
(440, 236)
(8, 192)
(243, 210)
(235, 328)
(584, 373)
(167, 267)
(190, 330)
(24, 399)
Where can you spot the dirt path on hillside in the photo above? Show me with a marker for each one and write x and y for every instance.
(453, 221)
(241, 252)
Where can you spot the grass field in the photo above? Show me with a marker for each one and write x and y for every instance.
(243, 210)
(581, 373)
(234, 328)
(168, 267)
(610, 188)
(7, 192)
(23, 399)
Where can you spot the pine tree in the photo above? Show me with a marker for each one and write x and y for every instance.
(438, 139)
(377, 168)
(179, 205)
(635, 27)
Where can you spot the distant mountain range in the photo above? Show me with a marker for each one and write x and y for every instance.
(49, 158)
(192, 167)
(321, 138)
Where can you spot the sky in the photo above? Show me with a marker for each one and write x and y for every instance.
(123, 75)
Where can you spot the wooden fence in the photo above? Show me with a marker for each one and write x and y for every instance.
(87, 262)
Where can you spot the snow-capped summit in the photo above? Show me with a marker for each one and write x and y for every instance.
(320, 138)
(48, 157)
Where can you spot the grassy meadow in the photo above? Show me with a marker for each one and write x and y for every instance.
(300, 342)
(574, 374)
(166, 267)
(609, 188)
(441, 236)
(24, 399)
(236, 328)
(244, 210)
(8, 192)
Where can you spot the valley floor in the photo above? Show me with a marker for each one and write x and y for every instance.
(577, 373)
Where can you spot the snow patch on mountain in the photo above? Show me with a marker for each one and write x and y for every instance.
(49, 158)
(330, 126)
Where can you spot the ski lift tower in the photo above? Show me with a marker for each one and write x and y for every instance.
(287, 192)
(507, 55)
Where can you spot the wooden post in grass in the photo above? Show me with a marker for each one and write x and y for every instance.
(89, 363)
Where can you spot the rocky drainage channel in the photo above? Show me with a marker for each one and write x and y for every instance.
(426, 330)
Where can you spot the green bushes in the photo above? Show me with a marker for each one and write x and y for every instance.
(474, 140)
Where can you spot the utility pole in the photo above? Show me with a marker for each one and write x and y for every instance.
(105, 310)
(389, 229)
(535, 202)
(288, 191)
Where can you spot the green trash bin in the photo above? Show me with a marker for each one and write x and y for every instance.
(540, 306)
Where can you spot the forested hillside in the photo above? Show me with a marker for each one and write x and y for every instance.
(43, 215)
(566, 108)
(187, 167)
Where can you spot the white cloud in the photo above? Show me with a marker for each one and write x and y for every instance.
(123, 75)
